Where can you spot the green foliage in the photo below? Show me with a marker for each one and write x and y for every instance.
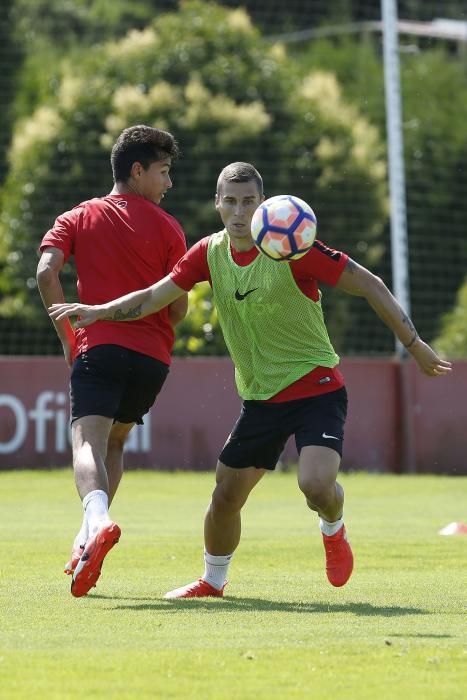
(357, 65)
(227, 95)
(435, 95)
(199, 333)
(434, 85)
(452, 340)
(10, 56)
(65, 22)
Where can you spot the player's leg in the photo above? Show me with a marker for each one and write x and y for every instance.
(89, 441)
(317, 473)
(145, 377)
(222, 522)
(222, 530)
(114, 468)
(319, 439)
(97, 382)
(89, 436)
(118, 435)
(130, 382)
(253, 447)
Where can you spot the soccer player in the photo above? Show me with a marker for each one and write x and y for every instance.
(285, 367)
(120, 242)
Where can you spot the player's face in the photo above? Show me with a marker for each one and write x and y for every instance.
(154, 182)
(236, 203)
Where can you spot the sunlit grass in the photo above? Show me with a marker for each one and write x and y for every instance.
(397, 630)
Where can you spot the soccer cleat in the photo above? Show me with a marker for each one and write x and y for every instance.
(339, 558)
(76, 553)
(454, 529)
(89, 567)
(197, 589)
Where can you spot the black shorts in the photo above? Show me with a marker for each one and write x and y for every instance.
(262, 429)
(112, 381)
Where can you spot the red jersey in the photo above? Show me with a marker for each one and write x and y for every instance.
(320, 264)
(120, 243)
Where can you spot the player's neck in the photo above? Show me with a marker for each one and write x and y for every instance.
(241, 245)
(124, 188)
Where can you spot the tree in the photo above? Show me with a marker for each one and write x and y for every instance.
(227, 95)
(434, 92)
(10, 58)
(452, 340)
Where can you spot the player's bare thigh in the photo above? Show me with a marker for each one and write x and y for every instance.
(317, 468)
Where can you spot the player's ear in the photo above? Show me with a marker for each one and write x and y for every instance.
(217, 200)
(136, 169)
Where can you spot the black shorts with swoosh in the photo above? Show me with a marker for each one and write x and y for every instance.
(262, 429)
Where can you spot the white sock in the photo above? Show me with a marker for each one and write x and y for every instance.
(215, 569)
(96, 507)
(330, 528)
(83, 534)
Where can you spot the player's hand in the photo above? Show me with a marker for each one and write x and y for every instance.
(87, 314)
(428, 361)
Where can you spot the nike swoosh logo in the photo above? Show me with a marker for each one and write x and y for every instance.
(330, 437)
(240, 297)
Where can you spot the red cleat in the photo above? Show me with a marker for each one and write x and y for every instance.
(197, 589)
(76, 552)
(88, 569)
(339, 557)
(454, 529)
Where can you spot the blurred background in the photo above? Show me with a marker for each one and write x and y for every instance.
(294, 86)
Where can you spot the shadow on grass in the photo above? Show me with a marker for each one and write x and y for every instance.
(232, 604)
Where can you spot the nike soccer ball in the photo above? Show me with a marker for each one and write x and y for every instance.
(284, 227)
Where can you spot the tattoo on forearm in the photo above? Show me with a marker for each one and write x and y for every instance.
(406, 320)
(118, 315)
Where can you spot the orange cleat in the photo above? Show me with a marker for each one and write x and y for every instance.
(76, 552)
(88, 569)
(339, 557)
(197, 589)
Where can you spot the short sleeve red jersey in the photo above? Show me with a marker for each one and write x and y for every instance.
(320, 265)
(120, 243)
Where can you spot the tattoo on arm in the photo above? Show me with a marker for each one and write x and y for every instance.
(351, 266)
(118, 315)
(406, 320)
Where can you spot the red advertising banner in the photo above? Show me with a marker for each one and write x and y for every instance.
(398, 419)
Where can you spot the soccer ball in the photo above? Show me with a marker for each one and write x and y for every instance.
(284, 227)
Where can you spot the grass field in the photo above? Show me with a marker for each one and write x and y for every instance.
(397, 630)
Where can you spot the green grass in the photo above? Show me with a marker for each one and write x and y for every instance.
(397, 630)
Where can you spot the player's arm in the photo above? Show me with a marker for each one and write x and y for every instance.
(178, 310)
(127, 308)
(50, 288)
(359, 281)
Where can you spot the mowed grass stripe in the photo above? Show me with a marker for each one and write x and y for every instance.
(398, 629)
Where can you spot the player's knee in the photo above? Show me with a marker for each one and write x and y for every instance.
(226, 501)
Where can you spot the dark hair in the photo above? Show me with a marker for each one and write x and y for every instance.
(142, 144)
(240, 172)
